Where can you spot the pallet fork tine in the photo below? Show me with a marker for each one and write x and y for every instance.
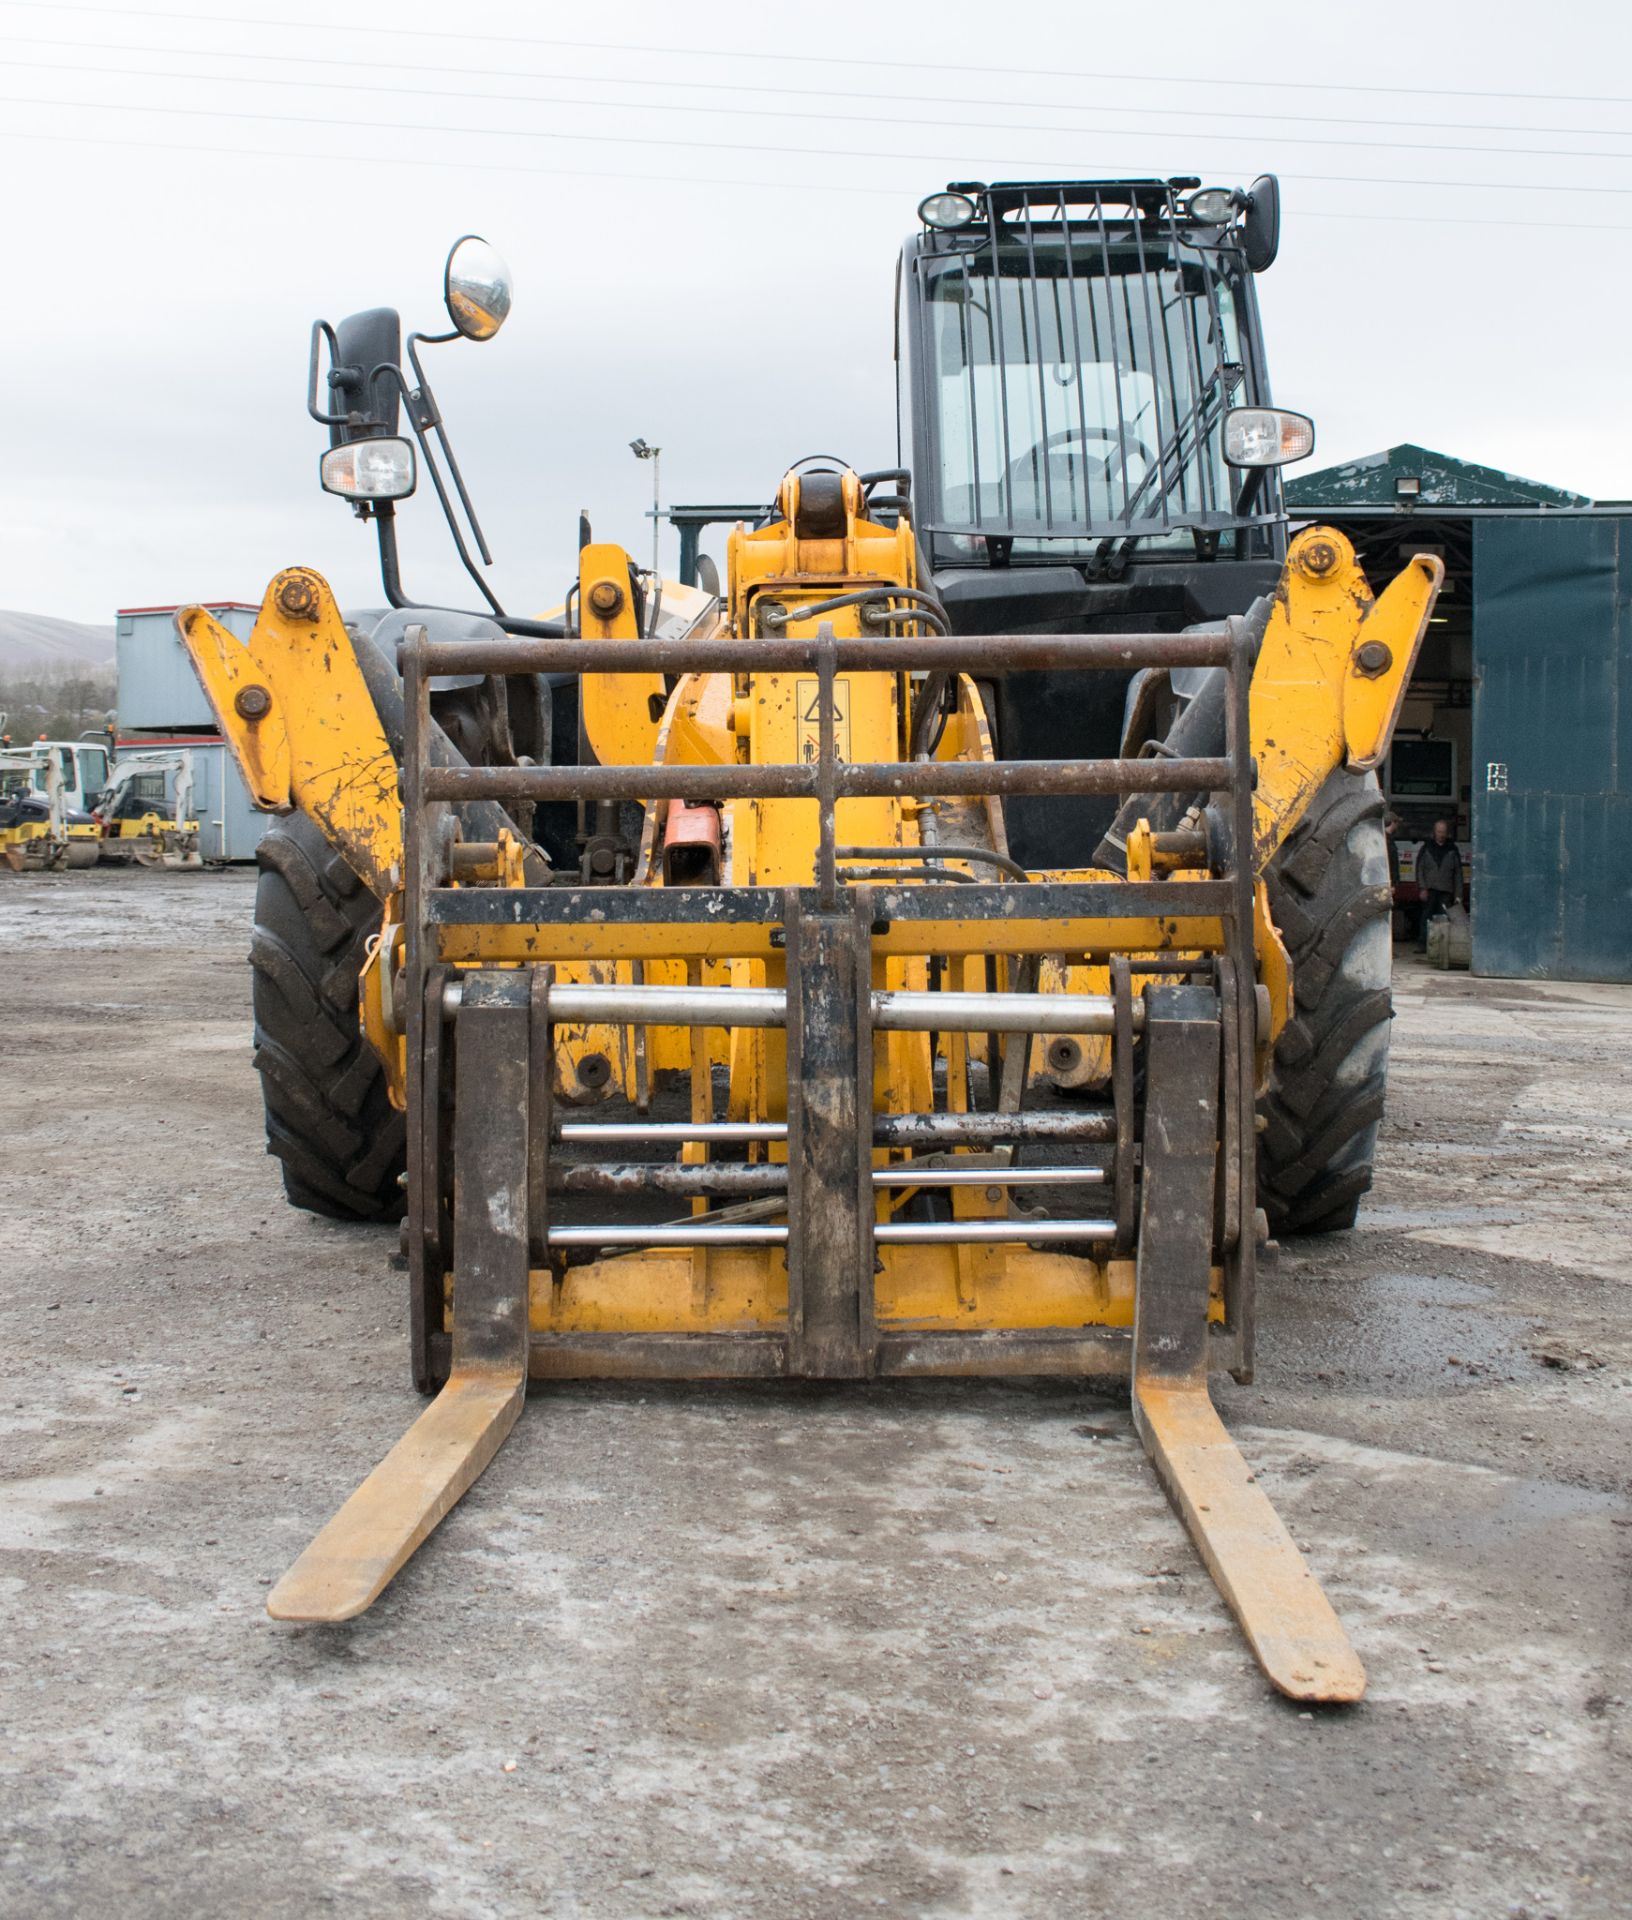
(370, 1539)
(368, 1542)
(1288, 1621)
(1295, 1636)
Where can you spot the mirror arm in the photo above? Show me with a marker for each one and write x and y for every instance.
(422, 408)
(442, 440)
(391, 579)
(414, 403)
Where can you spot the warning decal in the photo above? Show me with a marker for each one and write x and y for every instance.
(807, 696)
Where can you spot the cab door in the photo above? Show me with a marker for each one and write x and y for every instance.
(93, 775)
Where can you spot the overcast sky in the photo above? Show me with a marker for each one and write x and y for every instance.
(703, 245)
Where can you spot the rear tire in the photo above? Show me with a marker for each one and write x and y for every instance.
(328, 1118)
(1329, 896)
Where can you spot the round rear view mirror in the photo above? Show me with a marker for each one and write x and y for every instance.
(476, 287)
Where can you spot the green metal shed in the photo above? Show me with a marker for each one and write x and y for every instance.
(1523, 687)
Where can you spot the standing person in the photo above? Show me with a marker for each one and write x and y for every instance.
(1439, 874)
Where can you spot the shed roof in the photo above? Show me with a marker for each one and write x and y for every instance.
(1445, 481)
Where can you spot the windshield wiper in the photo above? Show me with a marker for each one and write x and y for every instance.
(1169, 468)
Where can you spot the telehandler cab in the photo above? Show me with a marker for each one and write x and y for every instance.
(950, 948)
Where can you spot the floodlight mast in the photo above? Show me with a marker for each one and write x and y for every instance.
(641, 451)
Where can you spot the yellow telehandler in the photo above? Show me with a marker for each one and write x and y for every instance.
(949, 946)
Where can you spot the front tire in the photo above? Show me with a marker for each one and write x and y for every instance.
(1329, 896)
(328, 1118)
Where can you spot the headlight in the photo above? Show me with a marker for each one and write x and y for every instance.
(370, 470)
(1214, 205)
(946, 210)
(1266, 436)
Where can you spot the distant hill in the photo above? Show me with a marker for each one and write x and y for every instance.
(39, 642)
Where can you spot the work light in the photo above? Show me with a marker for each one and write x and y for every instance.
(1266, 436)
(1214, 205)
(946, 210)
(370, 470)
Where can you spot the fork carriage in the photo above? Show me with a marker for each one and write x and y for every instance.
(807, 995)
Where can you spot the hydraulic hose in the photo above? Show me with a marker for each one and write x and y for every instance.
(919, 606)
(941, 850)
(928, 715)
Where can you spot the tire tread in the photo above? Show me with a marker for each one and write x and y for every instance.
(328, 1118)
(1318, 1135)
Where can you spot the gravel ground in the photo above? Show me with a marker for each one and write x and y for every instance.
(937, 1650)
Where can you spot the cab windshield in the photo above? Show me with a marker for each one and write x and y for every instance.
(1079, 393)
